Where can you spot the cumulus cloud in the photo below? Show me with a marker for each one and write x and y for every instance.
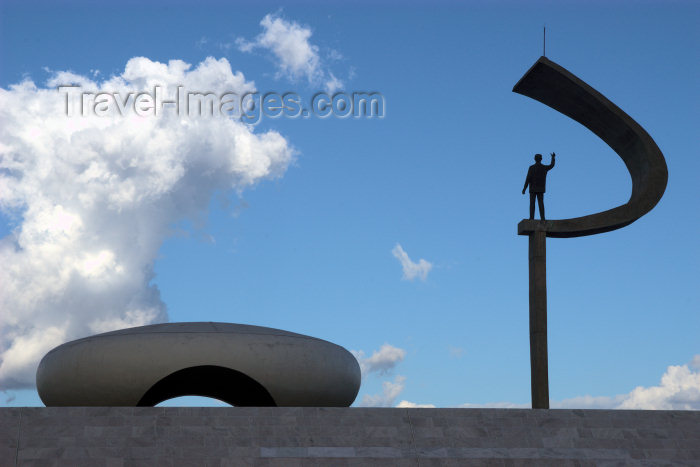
(411, 270)
(390, 391)
(382, 361)
(93, 197)
(679, 389)
(333, 84)
(295, 56)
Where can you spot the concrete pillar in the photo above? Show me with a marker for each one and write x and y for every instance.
(539, 379)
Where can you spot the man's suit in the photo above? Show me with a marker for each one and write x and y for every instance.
(537, 179)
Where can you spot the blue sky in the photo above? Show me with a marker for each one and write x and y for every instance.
(307, 247)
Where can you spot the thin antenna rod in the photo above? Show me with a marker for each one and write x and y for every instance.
(544, 40)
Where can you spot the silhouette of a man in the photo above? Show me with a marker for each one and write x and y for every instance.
(537, 178)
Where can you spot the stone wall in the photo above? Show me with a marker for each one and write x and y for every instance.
(207, 436)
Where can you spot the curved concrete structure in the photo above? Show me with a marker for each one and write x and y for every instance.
(559, 89)
(239, 364)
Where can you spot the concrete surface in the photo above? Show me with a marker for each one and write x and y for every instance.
(286, 436)
(240, 364)
(559, 89)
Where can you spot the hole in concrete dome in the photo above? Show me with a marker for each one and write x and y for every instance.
(209, 381)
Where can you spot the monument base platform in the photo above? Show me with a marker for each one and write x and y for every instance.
(207, 436)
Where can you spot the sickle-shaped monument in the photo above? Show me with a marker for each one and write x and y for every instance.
(559, 89)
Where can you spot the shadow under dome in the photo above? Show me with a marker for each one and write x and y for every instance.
(227, 385)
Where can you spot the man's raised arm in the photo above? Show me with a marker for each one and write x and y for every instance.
(551, 165)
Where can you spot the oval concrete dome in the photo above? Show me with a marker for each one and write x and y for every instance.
(238, 364)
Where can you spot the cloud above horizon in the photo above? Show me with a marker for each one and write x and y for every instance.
(410, 269)
(92, 198)
(295, 56)
(381, 361)
(390, 391)
(679, 389)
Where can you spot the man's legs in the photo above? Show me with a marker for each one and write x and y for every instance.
(532, 205)
(540, 202)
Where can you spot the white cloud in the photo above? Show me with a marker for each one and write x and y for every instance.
(390, 391)
(411, 270)
(333, 84)
(679, 389)
(413, 405)
(94, 198)
(382, 361)
(294, 54)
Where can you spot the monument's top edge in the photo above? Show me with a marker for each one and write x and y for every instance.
(202, 327)
(540, 62)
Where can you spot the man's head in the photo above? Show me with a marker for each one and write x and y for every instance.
(538, 157)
